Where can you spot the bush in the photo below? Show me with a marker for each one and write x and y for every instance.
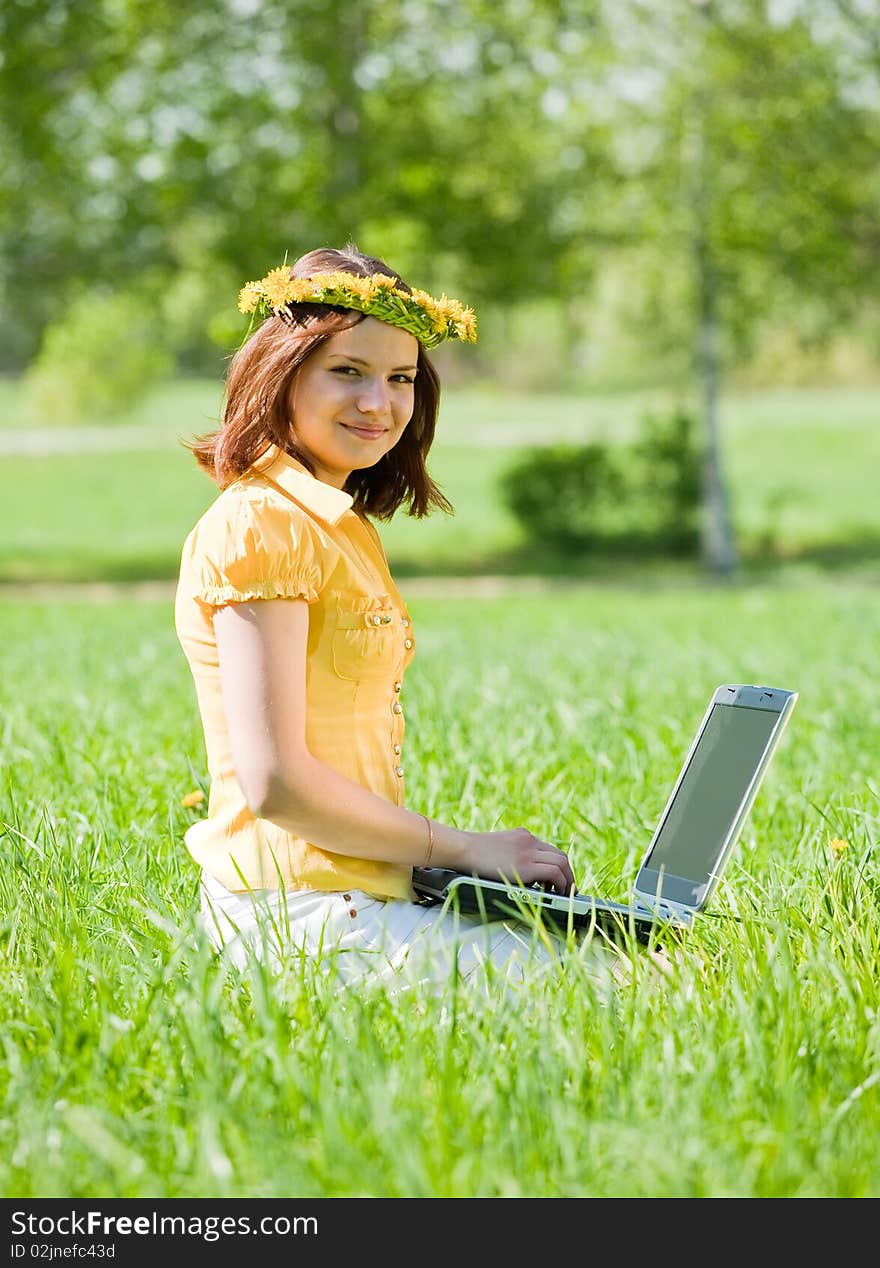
(664, 488)
(103, 353)
(561, 493)
(640, 496)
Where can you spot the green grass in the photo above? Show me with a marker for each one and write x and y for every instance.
(133, 1065)
(801, 465)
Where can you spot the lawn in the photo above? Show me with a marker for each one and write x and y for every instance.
(802, 469)
(134, 1065)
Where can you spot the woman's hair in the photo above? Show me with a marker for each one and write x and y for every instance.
(258, 383)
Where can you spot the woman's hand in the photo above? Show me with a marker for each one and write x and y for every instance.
(518, 857)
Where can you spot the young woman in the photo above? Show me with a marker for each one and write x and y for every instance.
(298, 638)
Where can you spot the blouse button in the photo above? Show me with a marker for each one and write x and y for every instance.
(407, 642)
(405, 622)
(397, 748)
(398, 770)
(397, 707)
(397, 686)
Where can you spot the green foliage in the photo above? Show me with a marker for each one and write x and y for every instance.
(666, 461)
(199, 316)
(525, 157)
(100, 355)
(597, 496)
(196, 295)
(562, 493)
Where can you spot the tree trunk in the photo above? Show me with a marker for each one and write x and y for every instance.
(718, 548)
(717, 545)
(575, 331)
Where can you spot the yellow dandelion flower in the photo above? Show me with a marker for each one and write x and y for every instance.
(249, 297)
(193, 799)
(382, 282)
(276, 287)
(431, 309)
(837, 846)
(362, 287)
(466, 326)
(300, 290)
(328, 281)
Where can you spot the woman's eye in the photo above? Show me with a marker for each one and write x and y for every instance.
(348, 370)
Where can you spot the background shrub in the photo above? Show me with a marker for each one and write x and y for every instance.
(663, 490)
(642, 495)
(564, 494)
(98, 358)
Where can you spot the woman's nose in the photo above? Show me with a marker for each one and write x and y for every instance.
(373, 397)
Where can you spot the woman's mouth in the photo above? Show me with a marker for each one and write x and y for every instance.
(365, 433)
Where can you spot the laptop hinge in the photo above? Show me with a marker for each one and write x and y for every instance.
(665, 912)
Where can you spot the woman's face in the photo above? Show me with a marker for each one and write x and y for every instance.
(353, 397)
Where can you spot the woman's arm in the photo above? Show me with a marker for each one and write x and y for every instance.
(261, 647)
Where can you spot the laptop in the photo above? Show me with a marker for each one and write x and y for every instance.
(691, 845)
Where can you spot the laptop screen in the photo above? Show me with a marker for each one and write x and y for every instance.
(698, 824)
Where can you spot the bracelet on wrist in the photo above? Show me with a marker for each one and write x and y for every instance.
(427, 862)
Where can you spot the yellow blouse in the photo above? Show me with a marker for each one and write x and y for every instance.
(277, 532)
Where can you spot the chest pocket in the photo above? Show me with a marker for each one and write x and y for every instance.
(367, 641)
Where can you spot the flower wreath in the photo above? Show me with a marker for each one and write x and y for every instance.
(430, 320)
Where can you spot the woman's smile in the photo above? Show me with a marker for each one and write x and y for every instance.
(364, 433)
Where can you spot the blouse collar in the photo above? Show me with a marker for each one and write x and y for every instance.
(323, 500)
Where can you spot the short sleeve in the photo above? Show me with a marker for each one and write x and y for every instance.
(257, 548)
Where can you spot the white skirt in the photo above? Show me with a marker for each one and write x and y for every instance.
(359, 936)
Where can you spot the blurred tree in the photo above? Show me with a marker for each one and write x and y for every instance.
(746, 156)
(500, 150)
(56, 64)
(104, 352)
(433, 127)
(487, 140)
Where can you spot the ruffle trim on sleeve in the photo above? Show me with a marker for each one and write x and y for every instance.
(284, 588)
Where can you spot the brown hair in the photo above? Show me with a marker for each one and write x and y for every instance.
(257, 390)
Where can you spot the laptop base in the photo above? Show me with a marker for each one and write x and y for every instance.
(494, 900)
